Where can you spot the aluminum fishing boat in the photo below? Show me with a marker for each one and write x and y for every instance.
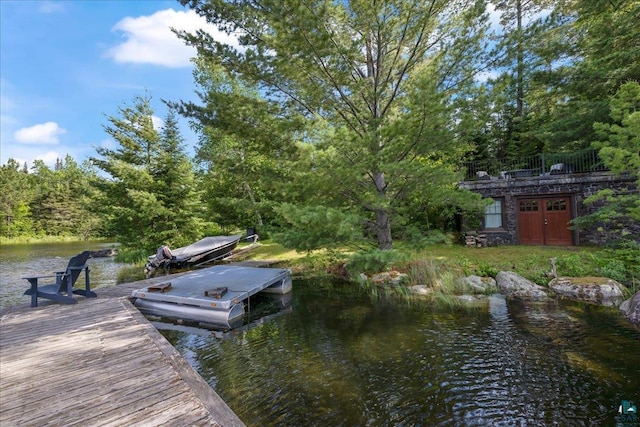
(197, 254)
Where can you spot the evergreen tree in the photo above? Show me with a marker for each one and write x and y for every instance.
(16, 219)
(243, 142)
(148, 178)
(126, 197)
(378, 73)
(619, 149)
(44, 189)
(600, 51)
(517, 57)
(180, 220)
(61, 197)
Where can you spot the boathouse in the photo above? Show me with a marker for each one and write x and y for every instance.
(535, 198)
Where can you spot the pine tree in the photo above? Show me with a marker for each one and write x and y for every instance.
(148, 194)
(16, 219)
(619, 149)
(126, 200)
(599, 52)
(179, 222)
(377, 73)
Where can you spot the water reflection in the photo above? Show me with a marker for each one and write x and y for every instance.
(338, 359)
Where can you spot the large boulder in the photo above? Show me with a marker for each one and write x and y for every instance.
(481, 285)
(388, 278)
(631, 308)
(594, 290)
(514, 286)
(421, 290)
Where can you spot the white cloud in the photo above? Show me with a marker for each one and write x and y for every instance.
(50, 6)
(27, 154)
(49, 158)
(45, 133)
(157, 122)
(149, 39)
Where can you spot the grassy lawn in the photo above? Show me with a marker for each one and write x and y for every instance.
(270, 251)
(532, 262)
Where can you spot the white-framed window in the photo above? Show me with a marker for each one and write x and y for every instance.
(493, 214)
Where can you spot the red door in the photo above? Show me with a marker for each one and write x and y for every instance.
(544, 221)
(557, 216)
(530, 222)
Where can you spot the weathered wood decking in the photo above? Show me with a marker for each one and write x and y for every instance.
(98, 363)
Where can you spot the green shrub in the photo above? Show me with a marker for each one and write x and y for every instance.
(131, 255)
(485, 270)
(422, 272)
(616, 270)
(372, 261)
(131, 273)
(575, 265)
(540, 279)
(621, 264)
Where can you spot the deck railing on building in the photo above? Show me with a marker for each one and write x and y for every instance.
(544, 164)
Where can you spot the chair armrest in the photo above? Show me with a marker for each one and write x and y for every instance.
(39, 277)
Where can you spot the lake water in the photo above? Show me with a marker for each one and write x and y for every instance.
(334, 357)
(339, 359)
(20, 260)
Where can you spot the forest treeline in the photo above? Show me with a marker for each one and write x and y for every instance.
(333, 123)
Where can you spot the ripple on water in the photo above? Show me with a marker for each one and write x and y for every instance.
(350, 362)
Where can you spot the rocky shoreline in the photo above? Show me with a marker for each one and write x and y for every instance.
(592, 290)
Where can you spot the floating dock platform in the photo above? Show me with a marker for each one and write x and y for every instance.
(213, 295)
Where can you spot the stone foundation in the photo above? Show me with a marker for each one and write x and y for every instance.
(577, 186)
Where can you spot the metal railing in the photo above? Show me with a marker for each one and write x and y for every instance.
(585, 161)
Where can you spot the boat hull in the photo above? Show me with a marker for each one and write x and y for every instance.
(200, 253)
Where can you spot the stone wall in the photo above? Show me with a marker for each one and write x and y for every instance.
(577, 187)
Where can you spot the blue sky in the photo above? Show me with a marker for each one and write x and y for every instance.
(66, 65)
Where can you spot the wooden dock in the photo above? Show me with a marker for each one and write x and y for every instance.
(98, 363)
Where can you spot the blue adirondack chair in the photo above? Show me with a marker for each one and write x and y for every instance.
(65, 281)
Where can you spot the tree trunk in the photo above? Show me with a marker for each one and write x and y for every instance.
(384, 229)
(383, 226)
(519, 66)
(253, 202)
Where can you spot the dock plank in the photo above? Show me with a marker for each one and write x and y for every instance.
(126, 358)
(73, 387)
(99, 362)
